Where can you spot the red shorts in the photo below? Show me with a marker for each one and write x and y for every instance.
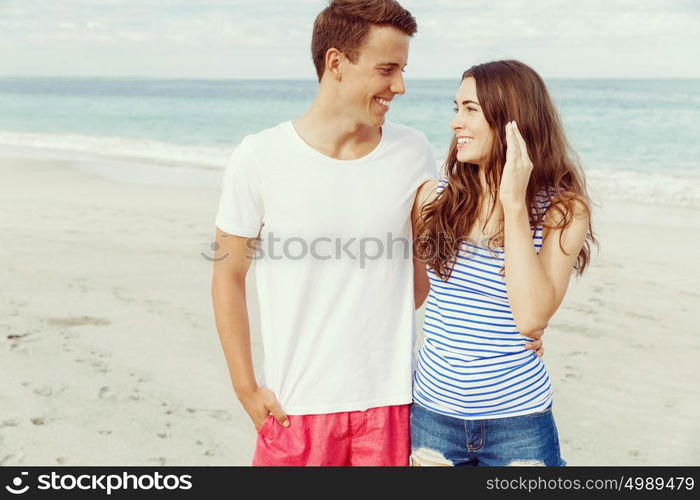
(378, 436)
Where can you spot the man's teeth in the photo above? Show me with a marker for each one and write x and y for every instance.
(464, 140)
(383, 102)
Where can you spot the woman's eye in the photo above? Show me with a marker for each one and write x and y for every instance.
(472, 109)
(455, 109)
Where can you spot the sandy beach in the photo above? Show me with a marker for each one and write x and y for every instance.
(110, 355)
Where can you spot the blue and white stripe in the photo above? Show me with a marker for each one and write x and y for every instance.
(472, 364)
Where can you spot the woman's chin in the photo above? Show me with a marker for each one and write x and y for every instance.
(465, 159)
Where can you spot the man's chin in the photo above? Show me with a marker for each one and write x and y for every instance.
(374, 121)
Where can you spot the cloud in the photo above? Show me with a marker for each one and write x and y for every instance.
(262, 38)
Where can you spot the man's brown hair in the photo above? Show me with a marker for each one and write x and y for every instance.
(344, 25)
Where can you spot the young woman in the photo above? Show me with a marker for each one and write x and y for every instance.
(500, 235)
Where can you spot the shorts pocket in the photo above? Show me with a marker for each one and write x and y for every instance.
(266, 428)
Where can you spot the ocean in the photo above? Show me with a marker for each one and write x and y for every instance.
(635, 138)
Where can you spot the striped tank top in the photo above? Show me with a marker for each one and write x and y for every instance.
(472, 364)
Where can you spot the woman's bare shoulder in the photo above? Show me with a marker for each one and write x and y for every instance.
(427, 192)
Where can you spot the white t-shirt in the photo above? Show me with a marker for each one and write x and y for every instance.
(336, 305)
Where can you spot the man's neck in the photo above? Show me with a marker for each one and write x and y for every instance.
(327, 130)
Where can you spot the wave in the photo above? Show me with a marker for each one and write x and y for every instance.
(121, 147)
(674, 187)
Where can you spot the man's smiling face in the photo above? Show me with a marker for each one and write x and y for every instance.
(368, 86)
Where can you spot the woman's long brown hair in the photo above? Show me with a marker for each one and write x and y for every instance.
(507, 90)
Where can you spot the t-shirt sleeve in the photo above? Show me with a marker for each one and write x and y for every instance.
(427, 164)
(241, 206)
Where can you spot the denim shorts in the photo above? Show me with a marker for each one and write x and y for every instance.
(527, 440)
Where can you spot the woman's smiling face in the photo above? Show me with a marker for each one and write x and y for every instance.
(472, 131)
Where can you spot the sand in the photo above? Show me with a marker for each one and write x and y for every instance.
(110, 355)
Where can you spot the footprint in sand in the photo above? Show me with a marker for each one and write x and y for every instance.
(17, 336)
(642, 316)
(21, 339)
(11, 460)
(82, 288)
(221, 415)
(107, 393)
(141, 377)
(134, 396)
(97, 365)
(78, 321)
(120, 295)
(582, 309)
(67, 335)
(210, 450)
(156, 302)
(47, 390)
(9, 423)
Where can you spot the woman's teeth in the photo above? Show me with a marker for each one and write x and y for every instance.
(464, 140)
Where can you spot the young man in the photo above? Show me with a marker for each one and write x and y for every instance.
(336, 334)
(328, 197)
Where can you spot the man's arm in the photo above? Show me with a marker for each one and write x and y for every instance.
(421, 284)
(231, 264)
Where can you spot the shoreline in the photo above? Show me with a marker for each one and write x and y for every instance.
(200, 166)
(108, 332)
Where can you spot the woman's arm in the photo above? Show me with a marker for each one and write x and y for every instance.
(536, 284)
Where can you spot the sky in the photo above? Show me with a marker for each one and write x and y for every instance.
(266, 39)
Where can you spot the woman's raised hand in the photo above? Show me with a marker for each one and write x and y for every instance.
(517, 170)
